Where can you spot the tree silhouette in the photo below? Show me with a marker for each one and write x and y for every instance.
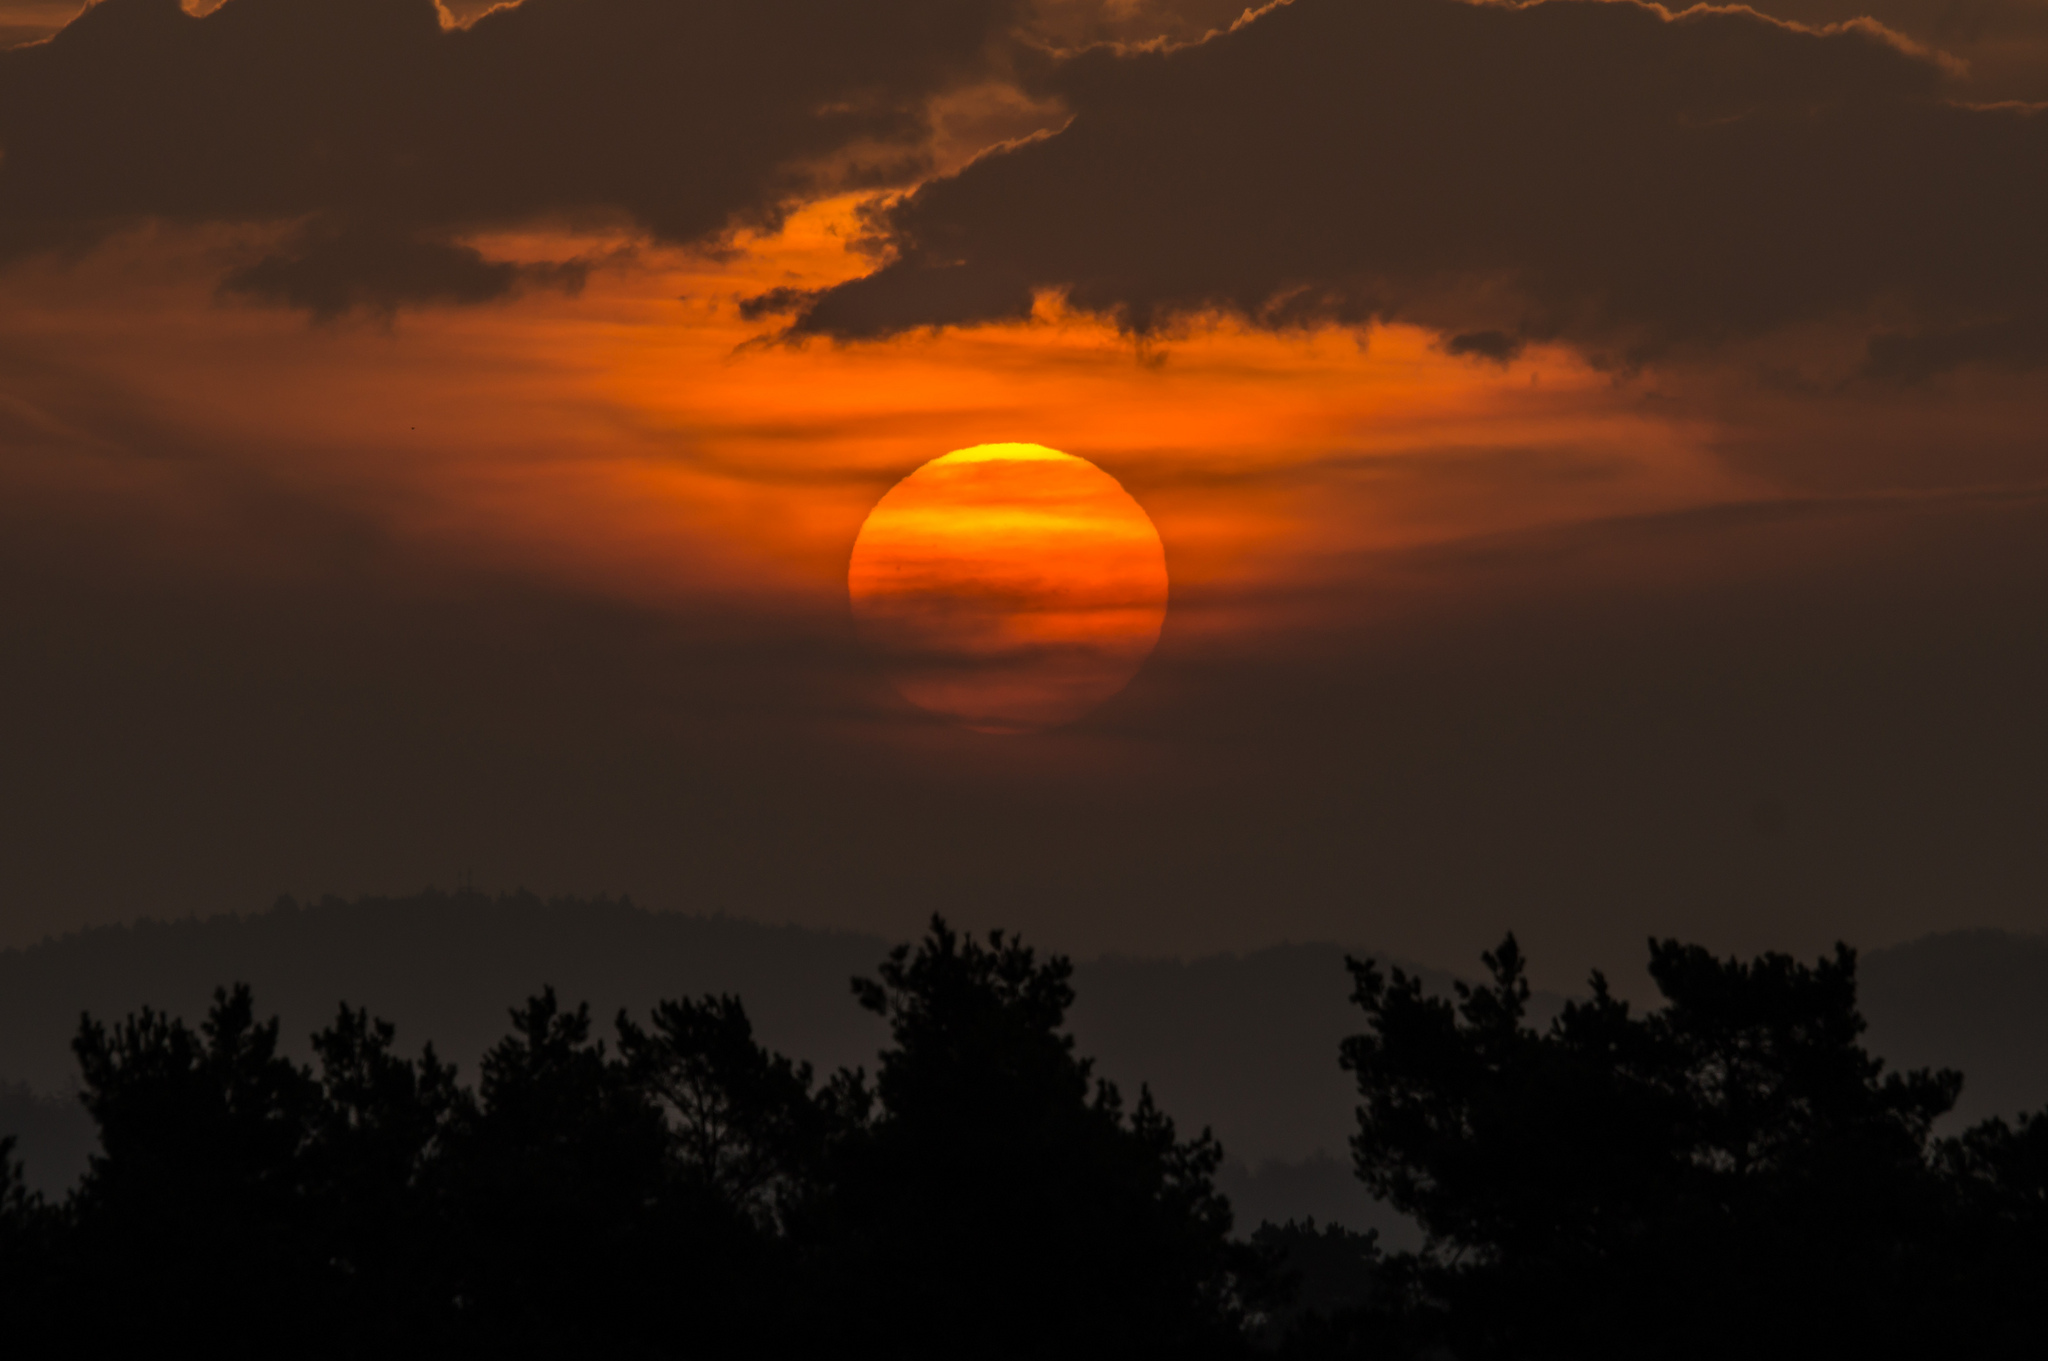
(575, 1227)
(195, 1204)
(1997, 1262)
(1321, 1275)
(1731, 1174)
(746, 1125)
(24, 1245)
(1000, 1199)
(374, 1165)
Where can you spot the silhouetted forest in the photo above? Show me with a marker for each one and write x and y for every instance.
(1240, 1042)
(1730, 1174)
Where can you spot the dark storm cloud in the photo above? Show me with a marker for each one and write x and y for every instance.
(1598, 173)
(391, 134)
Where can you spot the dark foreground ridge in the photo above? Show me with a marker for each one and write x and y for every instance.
(1728, 1175)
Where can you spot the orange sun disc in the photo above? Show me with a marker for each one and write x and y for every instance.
(1009, 586)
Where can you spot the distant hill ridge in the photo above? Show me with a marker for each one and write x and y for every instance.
(441, 966)
(1974, 1000)
(1245, 1042)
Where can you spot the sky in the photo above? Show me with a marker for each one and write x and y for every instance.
(1599, 455)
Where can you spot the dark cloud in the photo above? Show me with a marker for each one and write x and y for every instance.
(1605, 174)
(902, 297)
(1079, 23)
(1998, 48)
(395, 134)
(1498, 346)
(329, 272)
(776, 302)
(2011, 342)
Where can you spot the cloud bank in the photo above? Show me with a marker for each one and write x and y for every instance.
(1635, 183)
(389, 136)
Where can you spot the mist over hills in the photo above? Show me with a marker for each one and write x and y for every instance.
(1245, 1044)
(1974, 1000)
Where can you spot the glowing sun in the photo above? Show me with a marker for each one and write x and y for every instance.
(1009, 586)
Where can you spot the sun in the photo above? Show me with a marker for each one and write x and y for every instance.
(1009, 587)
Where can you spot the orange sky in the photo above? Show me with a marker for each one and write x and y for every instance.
(1446, 634)
(642, 440)
(644, 445)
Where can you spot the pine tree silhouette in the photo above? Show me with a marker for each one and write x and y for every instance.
(1001, 1199)
(1727, 1174)
(1730, 1174)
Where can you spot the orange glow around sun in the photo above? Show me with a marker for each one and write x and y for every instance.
(1008, 586)
(647, 442)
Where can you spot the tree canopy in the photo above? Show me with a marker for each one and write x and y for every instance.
(680, 1190)
(1728, 1173)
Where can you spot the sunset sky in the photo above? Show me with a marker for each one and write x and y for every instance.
(1600, 455)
